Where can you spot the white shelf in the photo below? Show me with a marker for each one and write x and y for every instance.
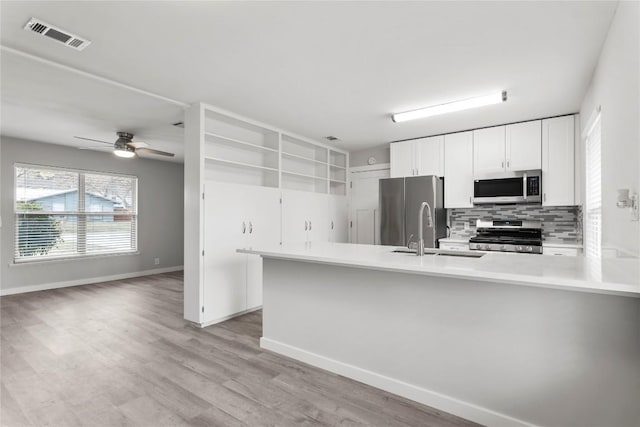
(241, 164)
(338, 167)
(306, 159)
(320, 178)
(237, 141)
(337, 181)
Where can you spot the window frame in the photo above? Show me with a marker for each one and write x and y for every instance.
(81, 214)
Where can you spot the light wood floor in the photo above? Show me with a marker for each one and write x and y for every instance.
(119, 353)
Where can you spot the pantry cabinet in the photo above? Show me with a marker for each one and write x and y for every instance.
(558, 161)
(458, 170)
(244, 180)
(418, 157)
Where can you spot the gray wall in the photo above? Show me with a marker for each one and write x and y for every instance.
(359, 158)
(160, 220)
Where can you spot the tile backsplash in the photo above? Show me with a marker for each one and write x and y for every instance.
(558, 222)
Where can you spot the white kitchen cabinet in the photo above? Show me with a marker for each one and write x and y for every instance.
(523, 146)
(515, 147)
(546, 250)
(402, 157)
(430, 156)
(489, 150)
(338, 219)
(240, 216)
(458, 170)
(418, 157)
(305, 217)
(558, 161)
(454, 246)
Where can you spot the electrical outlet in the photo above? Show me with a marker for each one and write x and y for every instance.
(466, 225)
(156, 261)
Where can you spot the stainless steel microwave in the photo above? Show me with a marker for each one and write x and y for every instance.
(509, 187)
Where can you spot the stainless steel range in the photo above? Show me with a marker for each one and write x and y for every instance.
(508, 236)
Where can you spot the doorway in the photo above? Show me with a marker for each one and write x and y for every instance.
(364, 211)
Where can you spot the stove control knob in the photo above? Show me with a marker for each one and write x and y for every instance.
(519, 249)
(503, 248)
(529, 249)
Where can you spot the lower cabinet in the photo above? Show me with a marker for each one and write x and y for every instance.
(454, 246)
(338, 219)
(305, 217)
(236, 216)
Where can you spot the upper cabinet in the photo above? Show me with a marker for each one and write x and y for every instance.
(558, 157)
(458, 170)
(488, 150)
(523, 148)
(513, 147)
(424, 156)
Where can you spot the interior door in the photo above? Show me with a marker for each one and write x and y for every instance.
(402, 156)
(365, 213)
(263, 230)
(225, 230)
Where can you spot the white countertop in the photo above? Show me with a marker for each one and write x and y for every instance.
(615, 276)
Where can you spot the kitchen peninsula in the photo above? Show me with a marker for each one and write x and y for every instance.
(503, 339)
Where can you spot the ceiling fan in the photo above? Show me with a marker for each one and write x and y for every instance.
(125, 146)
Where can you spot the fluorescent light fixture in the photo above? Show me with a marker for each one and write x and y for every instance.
(450, 107)
(124, 153)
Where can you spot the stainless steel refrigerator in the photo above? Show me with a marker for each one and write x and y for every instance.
(400, 200)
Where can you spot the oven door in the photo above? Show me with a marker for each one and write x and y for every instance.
(517, 187)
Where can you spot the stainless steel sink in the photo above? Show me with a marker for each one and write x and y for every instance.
(438, 252)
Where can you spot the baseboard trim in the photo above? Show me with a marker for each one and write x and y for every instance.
(87, 281)
(422, 395)
(222, 319)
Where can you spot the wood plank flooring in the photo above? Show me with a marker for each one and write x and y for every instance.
(120, 354)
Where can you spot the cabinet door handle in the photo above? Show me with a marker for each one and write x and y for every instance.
(244, 227)
(471, 200)
(502, 165)
(544, 197)
(309, 225)
(332, 225)
(250, 227)
(507, 164)
(306, 226)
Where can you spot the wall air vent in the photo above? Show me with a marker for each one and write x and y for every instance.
(65, 37)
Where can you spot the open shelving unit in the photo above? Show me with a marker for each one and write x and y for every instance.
(238, 150)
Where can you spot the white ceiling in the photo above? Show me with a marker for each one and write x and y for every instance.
(313, 68)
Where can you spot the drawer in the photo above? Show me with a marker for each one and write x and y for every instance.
(561, 251)
(454, 246)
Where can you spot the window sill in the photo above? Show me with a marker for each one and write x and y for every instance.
(72, 258)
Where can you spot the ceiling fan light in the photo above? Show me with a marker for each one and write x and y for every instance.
(465, 104)
(124, 153)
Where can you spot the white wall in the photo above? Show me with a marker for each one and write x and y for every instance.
(160, 220)
(359, 158)
(615, 86)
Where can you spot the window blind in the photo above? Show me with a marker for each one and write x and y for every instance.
(593, 196)
(61, 213)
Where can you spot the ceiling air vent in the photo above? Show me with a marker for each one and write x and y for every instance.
(71, 40)
(331, 138)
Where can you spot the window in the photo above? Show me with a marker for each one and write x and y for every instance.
(64, 213)
(593, 199)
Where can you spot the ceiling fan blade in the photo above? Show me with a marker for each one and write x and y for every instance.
(137, 144)
(152, 151)
(95, 148)
(94, 140)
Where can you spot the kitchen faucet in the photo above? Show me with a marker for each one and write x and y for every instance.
(420, 251)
